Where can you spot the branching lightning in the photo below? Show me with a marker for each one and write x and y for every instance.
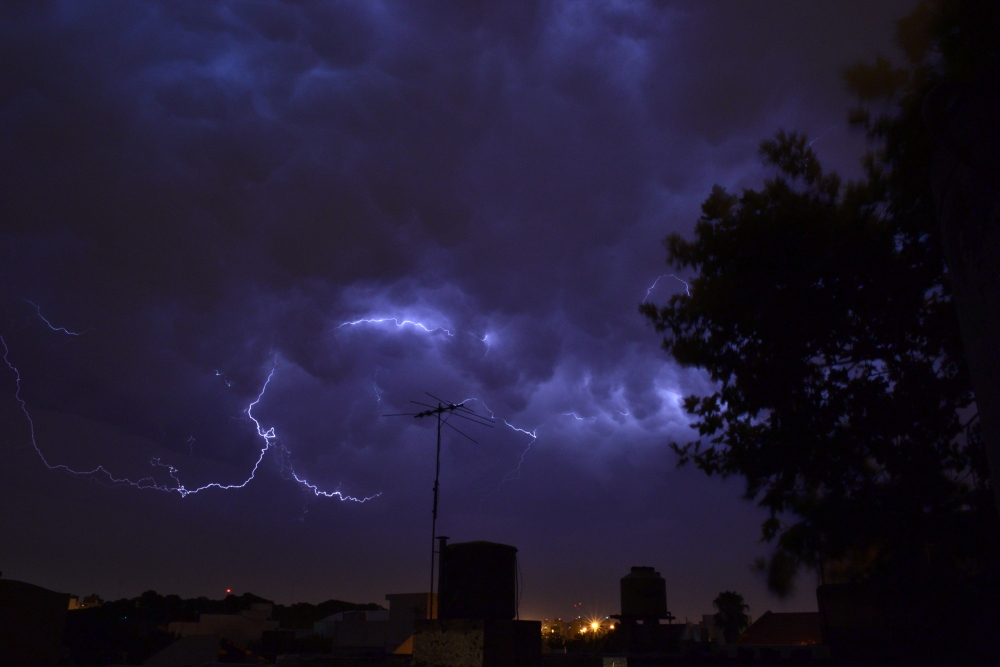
(397, 322)
(516, 472)
(485, 339)
(687, 287)
(533, 434)
(268, 435)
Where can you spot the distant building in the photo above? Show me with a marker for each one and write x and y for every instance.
(241, 629)
(705, 631)
(32, 620)
(384, 631)
(783, 636)
(555, 628)
(325, 627)
(75, 602)
(798, 629)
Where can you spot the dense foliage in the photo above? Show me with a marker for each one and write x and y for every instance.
(732, 615)
(933, 125)
(824, 317)
(824, 313)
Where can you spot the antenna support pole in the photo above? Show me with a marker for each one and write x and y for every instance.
(434, 513)
(450, 409)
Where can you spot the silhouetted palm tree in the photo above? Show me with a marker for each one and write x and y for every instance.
(732, 616)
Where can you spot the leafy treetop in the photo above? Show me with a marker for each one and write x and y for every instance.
(842, 395)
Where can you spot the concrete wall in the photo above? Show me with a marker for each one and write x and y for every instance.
(449, 643)
(477, 643)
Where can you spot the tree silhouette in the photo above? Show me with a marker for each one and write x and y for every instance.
(825, 319)
(731, 617)
(938, 156)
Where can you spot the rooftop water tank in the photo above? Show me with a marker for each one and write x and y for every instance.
(644, 594)
(478, 580)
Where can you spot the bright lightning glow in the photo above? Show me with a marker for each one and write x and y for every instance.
(269, 437)
(521, 430)
(64, 330)
(397, 322)
(516, 472)
(687, 287)
(485, 340)
(531, 434)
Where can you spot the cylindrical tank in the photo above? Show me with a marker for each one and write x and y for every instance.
(644, 593)
(478, 580)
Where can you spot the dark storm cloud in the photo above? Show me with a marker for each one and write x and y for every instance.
(213, 189)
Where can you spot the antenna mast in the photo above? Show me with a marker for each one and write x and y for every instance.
(443, 411)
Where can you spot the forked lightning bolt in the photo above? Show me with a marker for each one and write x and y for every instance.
(687, 287)
(531, 434)
(516, 472)
(268, 435)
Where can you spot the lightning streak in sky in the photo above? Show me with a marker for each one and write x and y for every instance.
(485, 340)
(828, 130)
(578, 417)
(531, 434)
(687, 287)
(517, 471)
(395, 321)
(268, 435)
(64, 330)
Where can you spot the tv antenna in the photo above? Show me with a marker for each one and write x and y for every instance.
(444, 411)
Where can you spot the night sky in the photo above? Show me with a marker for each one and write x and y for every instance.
(200, 194)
